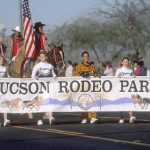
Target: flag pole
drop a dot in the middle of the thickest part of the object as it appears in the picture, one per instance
(21, 18)
(1, 46)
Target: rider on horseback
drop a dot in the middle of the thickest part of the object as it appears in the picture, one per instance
(40, 39)
(15, 41)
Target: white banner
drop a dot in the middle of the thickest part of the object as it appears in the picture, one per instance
(75, 94)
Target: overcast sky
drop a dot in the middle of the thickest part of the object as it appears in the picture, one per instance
(50, 12)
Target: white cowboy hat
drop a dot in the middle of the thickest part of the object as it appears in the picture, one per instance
(17, 28)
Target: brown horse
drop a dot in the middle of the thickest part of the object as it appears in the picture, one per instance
(15, 67)
(55, 56)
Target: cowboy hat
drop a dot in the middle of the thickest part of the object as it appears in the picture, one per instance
(17, 28)
(39, 24)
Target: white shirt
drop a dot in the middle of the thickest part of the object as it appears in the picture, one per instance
(124, 72)
(44, 69)
(69, 71)
(3, 72)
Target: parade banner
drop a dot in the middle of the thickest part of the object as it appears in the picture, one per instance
(74, 94)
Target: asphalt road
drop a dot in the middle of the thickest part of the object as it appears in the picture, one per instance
(68, 134)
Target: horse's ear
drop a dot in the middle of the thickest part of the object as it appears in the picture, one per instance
(61, 45)
(54, 45)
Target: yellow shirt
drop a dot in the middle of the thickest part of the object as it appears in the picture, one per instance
(82, 67)
(89, 68)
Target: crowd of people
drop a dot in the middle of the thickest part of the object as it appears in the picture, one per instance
(106, 68)
(44, 69)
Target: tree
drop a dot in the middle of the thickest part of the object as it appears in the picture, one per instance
(132, 20)
(123, 29)
(82, 33)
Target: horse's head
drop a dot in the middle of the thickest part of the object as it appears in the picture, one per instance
(56, 56)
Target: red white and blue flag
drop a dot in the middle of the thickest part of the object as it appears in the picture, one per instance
(28, 31)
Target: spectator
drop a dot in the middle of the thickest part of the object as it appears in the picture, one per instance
(109, 70)
(135, 65)
(69, 69)
(137, 70)
(102, 68)
(143, 69)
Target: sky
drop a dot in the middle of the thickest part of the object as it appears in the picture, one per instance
(50, 12)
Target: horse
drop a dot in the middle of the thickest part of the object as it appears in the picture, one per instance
(56, 57)
(16, 67)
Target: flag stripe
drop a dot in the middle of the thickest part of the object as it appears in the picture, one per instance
(28, 31)
(28, 38)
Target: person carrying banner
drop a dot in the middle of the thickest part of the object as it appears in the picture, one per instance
(4, 74)
(14, 42)
(42, 70)
(86, 68)
(125, 70)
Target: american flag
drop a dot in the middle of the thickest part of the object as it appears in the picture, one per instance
(28, 31)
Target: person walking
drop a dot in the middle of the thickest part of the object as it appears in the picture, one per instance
(86, 67)
(42, 70)
(125, 70)
(4, 74)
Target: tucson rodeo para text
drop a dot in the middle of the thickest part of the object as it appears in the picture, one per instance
(24, 88)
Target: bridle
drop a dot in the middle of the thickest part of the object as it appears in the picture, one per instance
(62, 60)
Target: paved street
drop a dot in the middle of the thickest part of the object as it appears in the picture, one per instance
(68, 133)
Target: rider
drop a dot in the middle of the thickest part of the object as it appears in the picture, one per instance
(15, 41)
(40, 39)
